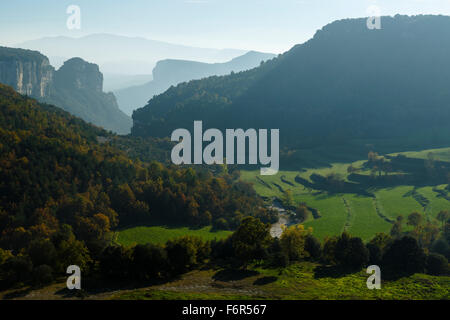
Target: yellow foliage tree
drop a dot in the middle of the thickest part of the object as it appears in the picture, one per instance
(293, 242)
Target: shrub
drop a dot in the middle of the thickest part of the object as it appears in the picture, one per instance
(42, 275)
(437, 264)
(149, 261)
(403, 257)
(17, 269)
(313, 247)
(374, 254)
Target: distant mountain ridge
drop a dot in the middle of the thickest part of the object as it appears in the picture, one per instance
(76, 87)
(347, 82)
(126, 55)
(170, 72)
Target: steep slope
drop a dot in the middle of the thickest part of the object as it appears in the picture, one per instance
(56, 169)
(347, 82)
(28, 71)
(171, 72)
(76, 87)
(79, 90)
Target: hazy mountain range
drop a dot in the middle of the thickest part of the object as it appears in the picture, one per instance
(171, 72)
(123, 55)
(113, 82)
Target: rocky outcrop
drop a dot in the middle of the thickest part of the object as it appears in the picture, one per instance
(78, 74)
(29, 72)
(76, 87)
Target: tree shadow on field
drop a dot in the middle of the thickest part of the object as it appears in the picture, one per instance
(265, 280)
(234, 274)
(17, 294)
(331, 272)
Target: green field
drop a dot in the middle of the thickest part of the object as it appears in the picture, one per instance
(395, 202)
(362, 216)
(160, 234)
(437, 203)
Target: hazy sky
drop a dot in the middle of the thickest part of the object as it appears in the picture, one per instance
(265, 25)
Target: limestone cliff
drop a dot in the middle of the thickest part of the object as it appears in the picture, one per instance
(76, 87)
(29, 72)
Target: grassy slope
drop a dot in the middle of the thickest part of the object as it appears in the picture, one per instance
(437, 203)
(298, 281)
(395, 202)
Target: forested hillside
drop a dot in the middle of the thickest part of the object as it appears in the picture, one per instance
(170, 72)
(347, 82)
(62, 181)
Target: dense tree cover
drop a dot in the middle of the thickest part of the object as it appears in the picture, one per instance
(376, 86)
(170, 72)
(251, 243)
(430, 236)
(200, 97)
(64, 187)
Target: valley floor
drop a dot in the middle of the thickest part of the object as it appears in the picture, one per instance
(361, 215)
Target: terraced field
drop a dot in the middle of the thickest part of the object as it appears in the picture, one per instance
(361, 215)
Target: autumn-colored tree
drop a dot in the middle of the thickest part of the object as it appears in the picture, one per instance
(73, 252)
(293, 241)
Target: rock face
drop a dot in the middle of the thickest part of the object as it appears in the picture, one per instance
(29, 72)
(79, 74)
(76, 87)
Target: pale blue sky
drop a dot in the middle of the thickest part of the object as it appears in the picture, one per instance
(265, 25)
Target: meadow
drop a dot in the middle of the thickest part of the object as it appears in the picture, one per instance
(361, 215)
(161, 234)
